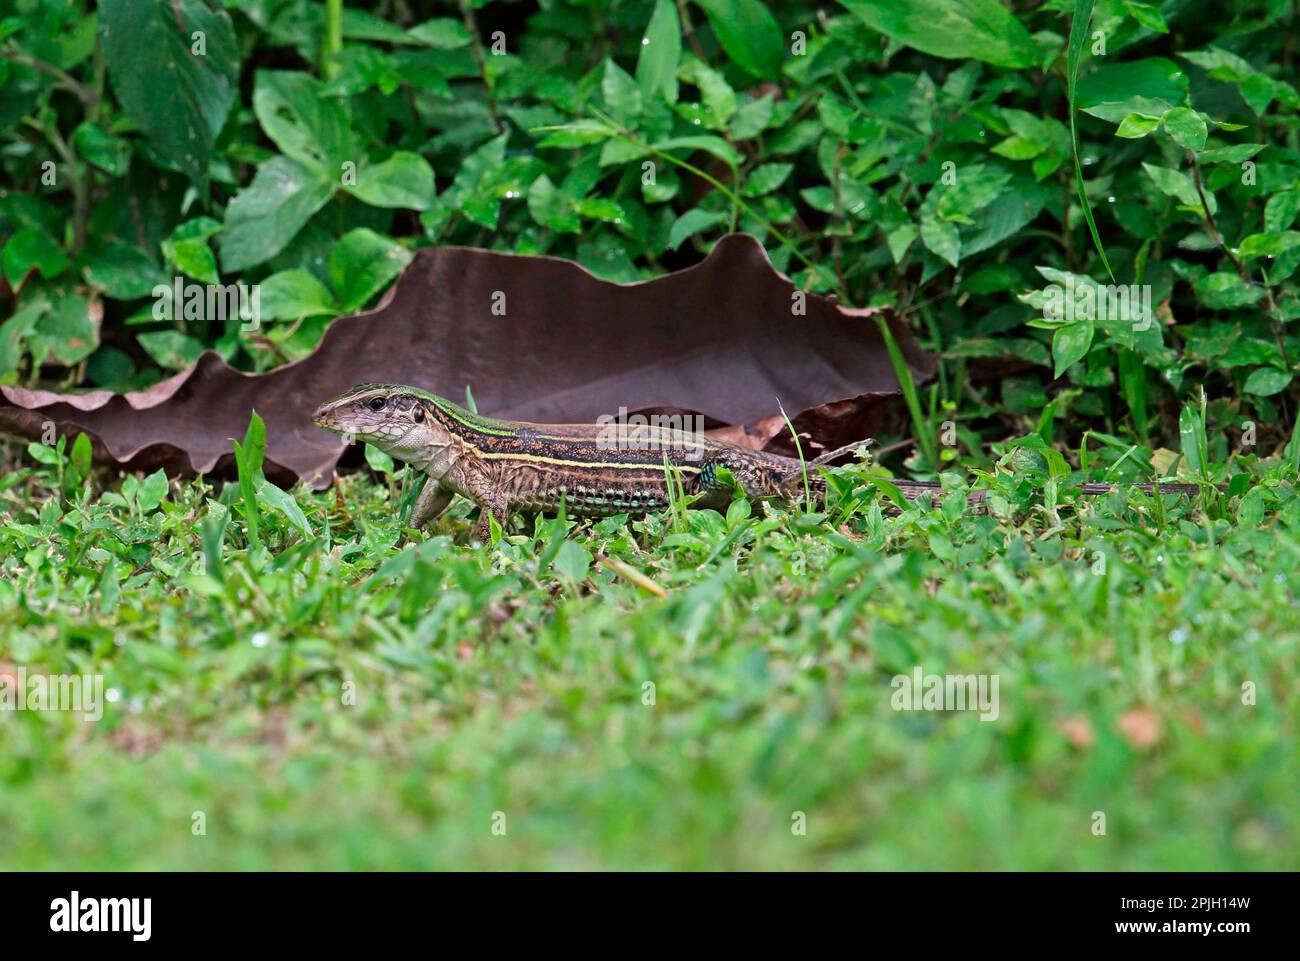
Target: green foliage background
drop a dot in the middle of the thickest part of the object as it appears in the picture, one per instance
(309, 147)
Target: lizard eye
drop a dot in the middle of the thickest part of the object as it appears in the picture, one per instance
(417, 415)
(376, 404)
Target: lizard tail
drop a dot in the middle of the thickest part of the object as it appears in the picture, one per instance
(823, 458)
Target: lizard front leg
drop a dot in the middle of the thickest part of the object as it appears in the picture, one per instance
(433, 500)
(483, 490)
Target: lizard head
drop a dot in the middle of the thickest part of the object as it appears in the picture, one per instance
(398, 420)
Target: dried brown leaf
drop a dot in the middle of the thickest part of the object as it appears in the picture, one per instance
(718, 339)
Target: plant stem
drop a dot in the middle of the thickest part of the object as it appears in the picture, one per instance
(333, 44)
(480, 58)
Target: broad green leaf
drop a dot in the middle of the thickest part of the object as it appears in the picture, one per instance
(1235, 155)
(1175, 183)
(716, 95)
(268, 213)
(171, 349)
(1268, 244)
(122, 270)
(1153, 78)
(379, 461)
(1281, 209)
(178, 96)
(766, 178)
(1070, 344)
(942, 238)
(691, 223)
(307, 126)
(661, 51)
(403, 180)
(1135, 126)
(442, 33)
(30, 249)
(1267, 381)
(714, 145)
(362, 264)
(622, 95)
(152, 492)
(1148, 15)
(957, 29)
(576, 134)
(67, 333)
(1225, 289)
(292, 294)
(749, 34)
(110, 154)
(1186, 127)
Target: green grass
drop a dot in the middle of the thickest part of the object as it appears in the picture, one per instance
(513, 679)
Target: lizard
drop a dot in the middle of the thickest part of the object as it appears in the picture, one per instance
(594, 470)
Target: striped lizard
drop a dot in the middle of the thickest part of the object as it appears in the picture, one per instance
(595, 470)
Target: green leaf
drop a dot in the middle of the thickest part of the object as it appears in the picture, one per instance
(1235, 155)
(30, 249)
(1070, 344)
(900, 239)
(170, 349)
(379, 461)
(403, 180)
(1152, 79)
(1225, 290)
(442, 33)
(268, 213)
(621, 93)
(572, 561)
(292, 294)
(152, 491)
(122, 270)
(176, 94)
(1281, 209)
(362, 264)
(661, 51)
(713, 145)
(749, 33)
(248, 461)
(66, 332)
(1147, 15)
(306, 125)
(753, 117)
(1175, 183)
(1268, 244)
(957, 29)
(691, 223)
(1135, 126)
(942, 238)
(766, 178)
(1019, 148)
(1267, 381)
(576, 134)
(1186, 127)
(110, 154)
(282, 501)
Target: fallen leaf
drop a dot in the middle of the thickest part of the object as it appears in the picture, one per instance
(534, 338)
(1140, 726)
(1078, 731)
